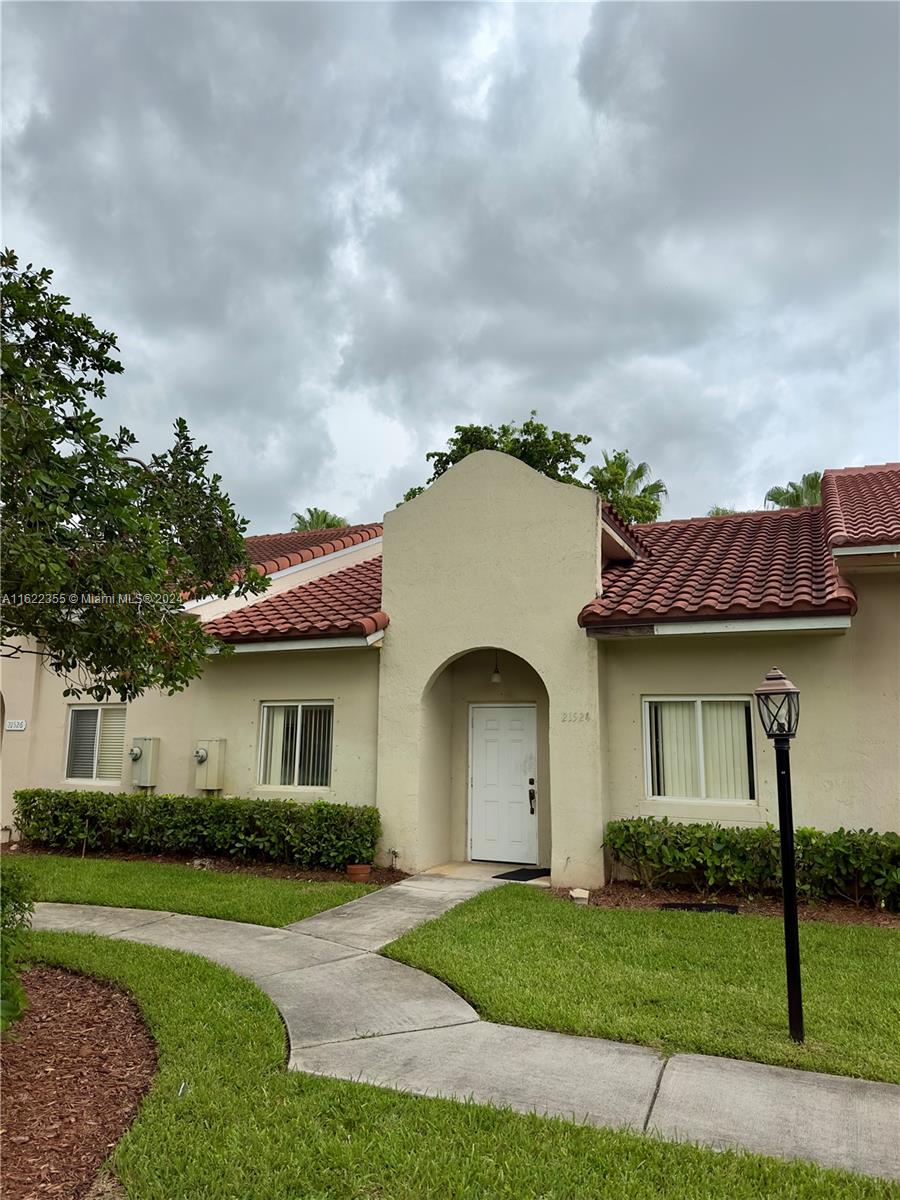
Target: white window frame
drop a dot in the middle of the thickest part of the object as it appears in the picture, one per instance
(67, 778)
(294, 787)
(697, 701)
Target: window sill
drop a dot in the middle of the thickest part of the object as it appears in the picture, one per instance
(725, 812)
(93, 783)
(264, 790)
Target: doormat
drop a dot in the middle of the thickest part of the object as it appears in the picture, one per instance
(522, 874)
(726, 908)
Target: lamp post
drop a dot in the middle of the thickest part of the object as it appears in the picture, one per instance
(778, 701)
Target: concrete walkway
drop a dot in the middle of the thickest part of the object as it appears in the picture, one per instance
(352, 1014)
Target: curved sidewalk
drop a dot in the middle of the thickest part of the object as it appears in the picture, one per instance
(352, 1014)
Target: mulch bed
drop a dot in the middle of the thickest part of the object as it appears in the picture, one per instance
(380, 875)
(623, 894)
(75, 1068)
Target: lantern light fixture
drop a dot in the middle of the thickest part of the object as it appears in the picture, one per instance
(778, 701)
(496, 677)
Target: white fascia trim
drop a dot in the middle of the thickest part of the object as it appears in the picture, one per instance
(760, 625)
(617, 538)
(304, 566)
(342, 643)
(893, 548)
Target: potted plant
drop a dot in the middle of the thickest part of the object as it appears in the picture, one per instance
(359, 872)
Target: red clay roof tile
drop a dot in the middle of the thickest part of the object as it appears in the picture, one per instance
(743, 565)
(344, 604)
(862, 505)
(271, 552)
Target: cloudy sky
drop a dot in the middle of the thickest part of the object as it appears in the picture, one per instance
(327, 233)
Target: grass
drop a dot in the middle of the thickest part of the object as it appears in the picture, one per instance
(703, 983)
(231, 896)
(246, 1128)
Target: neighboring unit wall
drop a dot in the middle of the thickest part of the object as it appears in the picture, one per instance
(224, 703)
(491, 555)
(846, 756)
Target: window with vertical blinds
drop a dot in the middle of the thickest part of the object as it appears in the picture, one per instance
(96, 742)
(700, 748)
(296, 744)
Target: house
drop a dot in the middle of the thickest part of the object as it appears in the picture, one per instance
(505, 665)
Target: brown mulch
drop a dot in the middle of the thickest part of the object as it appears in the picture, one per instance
(75, 1068)
(622, 894)
(379, 875)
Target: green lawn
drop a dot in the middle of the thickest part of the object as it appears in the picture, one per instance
(246, 1128)
(231, 896)
(703, 983)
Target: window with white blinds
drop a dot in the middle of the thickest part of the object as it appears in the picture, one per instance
(96, 742)
(296, 742)
(700, 748)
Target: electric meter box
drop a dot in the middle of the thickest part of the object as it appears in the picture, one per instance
(210, 759)
(144, 755)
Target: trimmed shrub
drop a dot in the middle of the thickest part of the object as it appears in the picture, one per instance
(856, 864)
(319, 834)
(15, 915)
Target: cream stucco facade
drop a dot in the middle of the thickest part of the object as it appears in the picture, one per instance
(489, 569)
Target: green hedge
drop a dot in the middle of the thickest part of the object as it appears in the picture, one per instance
(15, 915)
(856, 864)
(319, 834)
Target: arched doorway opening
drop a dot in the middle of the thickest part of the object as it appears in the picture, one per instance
(484, 769)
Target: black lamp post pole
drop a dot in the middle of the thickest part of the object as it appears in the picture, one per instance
(789, 887)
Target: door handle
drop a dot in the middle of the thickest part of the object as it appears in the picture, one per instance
(531, 798)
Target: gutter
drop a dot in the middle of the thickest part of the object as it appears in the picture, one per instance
(843, 551)
(334, 643)
(811, 624)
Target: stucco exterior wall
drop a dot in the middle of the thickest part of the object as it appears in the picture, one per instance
(223, 703)
(846, 757)
(491, 555)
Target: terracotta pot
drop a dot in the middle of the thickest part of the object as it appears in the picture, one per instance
(358, 872)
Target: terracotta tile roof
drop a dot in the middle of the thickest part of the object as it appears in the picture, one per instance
(744, 565)
(343, 604)
(862, 505)
(270, 552)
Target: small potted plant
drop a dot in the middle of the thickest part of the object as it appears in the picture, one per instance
(359, 872)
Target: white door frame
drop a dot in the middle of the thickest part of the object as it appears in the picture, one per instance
(471, 778)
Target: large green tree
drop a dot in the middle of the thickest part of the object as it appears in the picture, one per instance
(551, 452)
(628, 486)
(99, 546)
(316, 518)
(797, 495)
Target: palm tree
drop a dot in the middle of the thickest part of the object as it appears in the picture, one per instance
(797, 495)
(721, 510)
(628, 486)
(316, 518)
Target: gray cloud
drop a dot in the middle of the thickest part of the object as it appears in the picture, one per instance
(326, 233)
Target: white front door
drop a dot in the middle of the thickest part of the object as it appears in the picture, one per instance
(503, 782)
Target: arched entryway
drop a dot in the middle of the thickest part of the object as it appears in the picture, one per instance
(484, 775)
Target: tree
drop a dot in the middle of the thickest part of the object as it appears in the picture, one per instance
(628, 487)
(721, 510)
(100, 548)
(316, 518)
(797, 495)
(553, 453)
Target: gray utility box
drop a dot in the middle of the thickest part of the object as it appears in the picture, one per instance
(144, 755)
(210, 759)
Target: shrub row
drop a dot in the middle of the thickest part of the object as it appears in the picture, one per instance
(319, 834)
(857, 864)
(15, 915)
